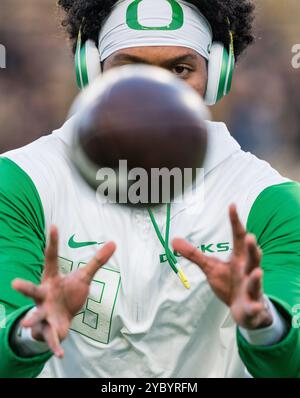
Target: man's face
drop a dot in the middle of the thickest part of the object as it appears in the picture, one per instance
(185, 63)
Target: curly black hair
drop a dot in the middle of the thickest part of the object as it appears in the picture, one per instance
(89, 15)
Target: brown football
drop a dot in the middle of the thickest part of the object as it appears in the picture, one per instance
(149, 120)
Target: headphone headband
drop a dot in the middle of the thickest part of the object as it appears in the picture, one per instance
(220, 67)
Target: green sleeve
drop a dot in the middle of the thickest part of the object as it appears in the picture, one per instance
(22, 243)
(275, 220)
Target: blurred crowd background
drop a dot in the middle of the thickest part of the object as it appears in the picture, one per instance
(262, 112)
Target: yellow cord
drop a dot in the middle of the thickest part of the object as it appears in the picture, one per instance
(183, 279)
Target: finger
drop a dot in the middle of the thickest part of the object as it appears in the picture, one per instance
(254, 254)
(193, 254)
(51, 254)
(29, 289)
(101, 258)
(238, 232)
(254, 284)
(36, 317)
(252, 309)
(51, 337)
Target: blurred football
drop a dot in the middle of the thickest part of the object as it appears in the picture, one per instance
(137, 125)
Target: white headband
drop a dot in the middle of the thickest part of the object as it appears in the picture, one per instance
(140, 23)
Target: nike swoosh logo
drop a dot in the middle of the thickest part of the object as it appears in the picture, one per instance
(76, 245)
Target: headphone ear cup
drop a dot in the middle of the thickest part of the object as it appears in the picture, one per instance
(220, 72)
(87, 63)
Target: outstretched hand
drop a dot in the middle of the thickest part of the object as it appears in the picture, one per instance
(59, 298)
(237, 282)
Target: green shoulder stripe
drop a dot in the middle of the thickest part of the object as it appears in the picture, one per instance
(22, 244)
(275, 220)
(22, 232)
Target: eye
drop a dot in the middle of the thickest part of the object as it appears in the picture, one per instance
(182, 71)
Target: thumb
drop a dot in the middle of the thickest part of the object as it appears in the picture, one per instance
(193, 254)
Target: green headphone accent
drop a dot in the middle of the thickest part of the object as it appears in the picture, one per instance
(87, 62)
(220, 67)
(220, 71)
(80, 64)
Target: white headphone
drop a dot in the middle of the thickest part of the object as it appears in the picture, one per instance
(220, 68)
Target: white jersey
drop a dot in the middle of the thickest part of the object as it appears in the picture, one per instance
(139, 320)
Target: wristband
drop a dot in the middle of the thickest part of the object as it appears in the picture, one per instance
(24, 344)
(271, 334)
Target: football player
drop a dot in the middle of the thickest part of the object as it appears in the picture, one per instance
(124, 313)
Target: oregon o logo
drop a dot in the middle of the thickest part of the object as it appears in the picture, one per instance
(176, 22)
